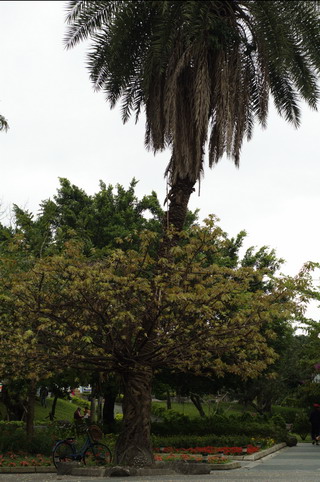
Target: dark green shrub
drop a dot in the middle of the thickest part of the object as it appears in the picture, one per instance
(291, 441)
(218, 425)
(187, 441)
(278, 421)
(288, 413)
(301, 425)
(13, 440)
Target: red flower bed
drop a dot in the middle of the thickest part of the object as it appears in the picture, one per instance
(11, 459)
(250, 449)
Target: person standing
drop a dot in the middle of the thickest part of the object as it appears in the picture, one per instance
(315, 423)
(43, 396)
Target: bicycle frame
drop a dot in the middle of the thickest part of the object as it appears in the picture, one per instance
(77, 454)
(91, 451)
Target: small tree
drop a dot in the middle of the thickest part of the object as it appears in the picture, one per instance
(132, 313)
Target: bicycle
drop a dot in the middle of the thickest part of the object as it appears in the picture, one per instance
(91, 452)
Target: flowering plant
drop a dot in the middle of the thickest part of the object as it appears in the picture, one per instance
(209, 450)
(12, 459)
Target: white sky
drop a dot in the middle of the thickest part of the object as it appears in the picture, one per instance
(59, 127)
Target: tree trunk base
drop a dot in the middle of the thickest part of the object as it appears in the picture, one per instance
(133, 447)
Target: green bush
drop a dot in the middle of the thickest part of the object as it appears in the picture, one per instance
(218, 425)
(278, 421)
(291, 441)
(301, 425)
(13, 440)
(288, 413)
(81, 402)
(187, 441)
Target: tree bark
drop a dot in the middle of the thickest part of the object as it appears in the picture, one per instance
(15, 409)
(168, 401)
(197, 403)
(178, 197)
(53, 408)
(108, 410)
(30, 411)
(93, 410)
(133, 446)
(100, 409)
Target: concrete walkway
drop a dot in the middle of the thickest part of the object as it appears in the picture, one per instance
(300, 463)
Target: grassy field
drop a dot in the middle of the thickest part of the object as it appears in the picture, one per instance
(190, 410)
(64, 410)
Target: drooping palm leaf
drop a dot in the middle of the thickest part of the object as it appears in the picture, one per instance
(202, 70)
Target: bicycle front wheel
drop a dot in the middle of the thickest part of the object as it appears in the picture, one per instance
(97, 454)
(63, 452)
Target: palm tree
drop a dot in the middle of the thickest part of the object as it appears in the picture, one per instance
(202, 70)
(4, 126)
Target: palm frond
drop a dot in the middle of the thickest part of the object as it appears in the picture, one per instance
(201, 69)
(4, 126)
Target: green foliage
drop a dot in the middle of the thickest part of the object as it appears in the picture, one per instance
(278, 421)
(239, 55)
(80, 402)
(169, 416)
(308, 394)
(15, 440)
(183, 441)
(291, 441)
(301, 425)
(289, 414)
(10, 425)
(98, 221)
(219, 425)
(201, 305)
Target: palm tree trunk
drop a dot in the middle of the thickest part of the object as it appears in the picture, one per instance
(179, 196)
(134, 443)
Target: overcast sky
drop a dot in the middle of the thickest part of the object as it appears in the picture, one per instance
(59, 127)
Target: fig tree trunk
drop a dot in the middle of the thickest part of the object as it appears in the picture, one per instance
(133, 446)
(52, 412)
(30, 411)
(108, 409)
(196, 400)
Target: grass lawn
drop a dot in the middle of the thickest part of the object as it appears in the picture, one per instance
(188, 408)
(64, 410)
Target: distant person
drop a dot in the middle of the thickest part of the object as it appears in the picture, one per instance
(86, 413)
(315, 423)
(77, 415)
(43, 396)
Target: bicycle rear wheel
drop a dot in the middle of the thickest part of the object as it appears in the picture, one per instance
(63, 452)
(97, 454)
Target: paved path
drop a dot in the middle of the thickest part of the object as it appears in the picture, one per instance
(300, 463)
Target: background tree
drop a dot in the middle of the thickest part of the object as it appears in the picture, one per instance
(100, 314)
(98, 221)
(202, 71)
